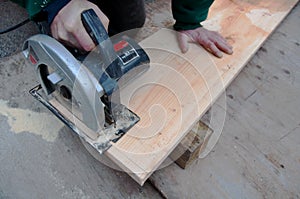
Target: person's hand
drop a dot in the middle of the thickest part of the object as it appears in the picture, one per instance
(212, 41)
(68, 28)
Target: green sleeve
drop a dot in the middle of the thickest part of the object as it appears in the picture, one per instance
(33, 7)
(189, 13)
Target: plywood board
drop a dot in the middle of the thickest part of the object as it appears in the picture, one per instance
(177, 90)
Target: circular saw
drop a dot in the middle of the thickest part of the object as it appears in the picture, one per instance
(83, 90)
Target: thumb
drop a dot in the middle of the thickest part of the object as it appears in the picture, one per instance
(183, 41)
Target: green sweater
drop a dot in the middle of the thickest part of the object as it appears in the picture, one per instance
(33, 7)
(187, 13)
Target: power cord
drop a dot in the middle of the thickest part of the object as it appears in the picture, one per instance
(14, 27)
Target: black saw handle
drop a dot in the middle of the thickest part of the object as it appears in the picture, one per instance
(94, 26)
(98, 34)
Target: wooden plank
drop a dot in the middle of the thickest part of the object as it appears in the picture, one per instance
(171, 97)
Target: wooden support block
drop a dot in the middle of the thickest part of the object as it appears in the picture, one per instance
(189, 149)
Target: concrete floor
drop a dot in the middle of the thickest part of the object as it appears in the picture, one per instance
(259, 145)
(11, 43)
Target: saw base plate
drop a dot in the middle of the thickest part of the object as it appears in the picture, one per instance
(101, 141)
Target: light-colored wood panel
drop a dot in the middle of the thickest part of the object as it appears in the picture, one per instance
(171, 97)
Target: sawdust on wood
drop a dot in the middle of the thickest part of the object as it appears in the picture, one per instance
(256, 15)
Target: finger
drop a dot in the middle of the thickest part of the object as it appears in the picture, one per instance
(66, 37)
(220, 37)
(71, 41)
(225, 42)
(53, 29)
(223, 46)
(216, 37)
(83, 39)
(213, 49)
(183, 41)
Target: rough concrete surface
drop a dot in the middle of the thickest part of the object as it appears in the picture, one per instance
(12, 14)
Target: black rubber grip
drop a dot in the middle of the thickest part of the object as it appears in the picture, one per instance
(94, 26)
